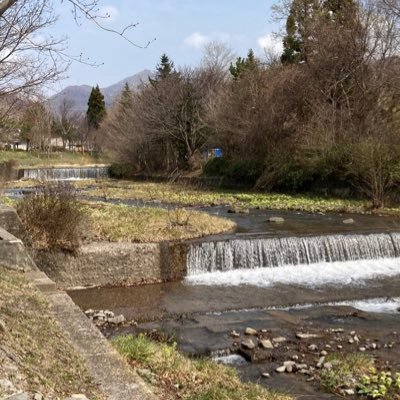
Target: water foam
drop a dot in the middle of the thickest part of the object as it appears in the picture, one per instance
(353, 273)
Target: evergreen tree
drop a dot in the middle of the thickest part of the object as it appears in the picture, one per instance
(244, 64)
(126, 100)
(300, 24)
(165, 67)
(96, 108)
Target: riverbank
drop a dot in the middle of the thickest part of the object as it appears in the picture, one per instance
(53, 159)
(35, 356)
(184, 195)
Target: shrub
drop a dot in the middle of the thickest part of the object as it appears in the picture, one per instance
(54, 218)
(239, 171)
(6, 170)
(122, 170)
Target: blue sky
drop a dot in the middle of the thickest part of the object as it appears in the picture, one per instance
(181, 27)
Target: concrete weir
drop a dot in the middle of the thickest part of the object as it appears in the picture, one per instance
(115, 378)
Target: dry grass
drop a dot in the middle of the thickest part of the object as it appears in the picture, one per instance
(119, 223)
(33, 347)
(188, 196)
(175, 376)
(36, 159)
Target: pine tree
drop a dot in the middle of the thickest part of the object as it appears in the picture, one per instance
(299, 24)
(244, 64)
(96, 108)
(126, 100)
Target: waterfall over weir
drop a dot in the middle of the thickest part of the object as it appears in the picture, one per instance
(67, 173)
(276, 252)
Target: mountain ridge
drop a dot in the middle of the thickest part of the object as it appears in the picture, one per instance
(78, 95)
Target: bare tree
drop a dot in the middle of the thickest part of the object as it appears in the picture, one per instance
(30, 58)
(37, 126)
(217, 56)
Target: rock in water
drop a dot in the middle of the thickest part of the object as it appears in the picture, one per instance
(248, 344)
(250, 332)
(266, 344)
(276, 220)
(349, 221)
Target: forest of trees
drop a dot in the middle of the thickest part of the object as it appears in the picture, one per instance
(323, 116)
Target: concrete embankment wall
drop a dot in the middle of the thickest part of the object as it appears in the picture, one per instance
(112, 264)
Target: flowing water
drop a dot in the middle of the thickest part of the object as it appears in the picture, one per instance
(229, 255)
(70, 173)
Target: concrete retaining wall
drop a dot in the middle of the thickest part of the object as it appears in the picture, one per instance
(112, 264)
(13, 254)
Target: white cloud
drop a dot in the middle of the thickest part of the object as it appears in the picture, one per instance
(270, 43)
(196, 40)
(110, 13)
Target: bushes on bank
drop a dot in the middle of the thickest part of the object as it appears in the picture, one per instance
(54, 218)
(239, 171)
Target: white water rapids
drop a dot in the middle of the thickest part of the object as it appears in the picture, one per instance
(305, 261)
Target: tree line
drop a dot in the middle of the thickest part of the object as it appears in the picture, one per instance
(323, 116)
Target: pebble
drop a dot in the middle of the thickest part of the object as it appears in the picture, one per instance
(324, 353)
(352, 333)
(265, 375)
(19, 396)
(235, 334)
(312, 347)
(351, 341)
(281, 369)
(362, 349)
(250, 332)
(321, 362)
(295, 357)
(120, 319)
(38, 396)
(301, 335)
(310, 379)
(339, 346)
(276, 220)
(248, 344)
(289, 366)
(6, 385)
(266, 344)
(356, 339)
(349, 392)
(349, 221)
(279, 339)
(328, 366)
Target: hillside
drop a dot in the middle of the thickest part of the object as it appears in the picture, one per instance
(79, 95)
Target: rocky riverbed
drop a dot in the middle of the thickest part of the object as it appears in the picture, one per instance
(287, 350)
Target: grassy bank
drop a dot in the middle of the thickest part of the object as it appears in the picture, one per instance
(39, 159)
(357, 372)
(34, 354)
(120, 223)
(187, 196)
(117, 223)
(175, 376)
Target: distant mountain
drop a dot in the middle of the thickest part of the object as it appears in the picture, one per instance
(79, 95)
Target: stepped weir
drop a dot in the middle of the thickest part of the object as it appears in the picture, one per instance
(64, 173)
(229, 255)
